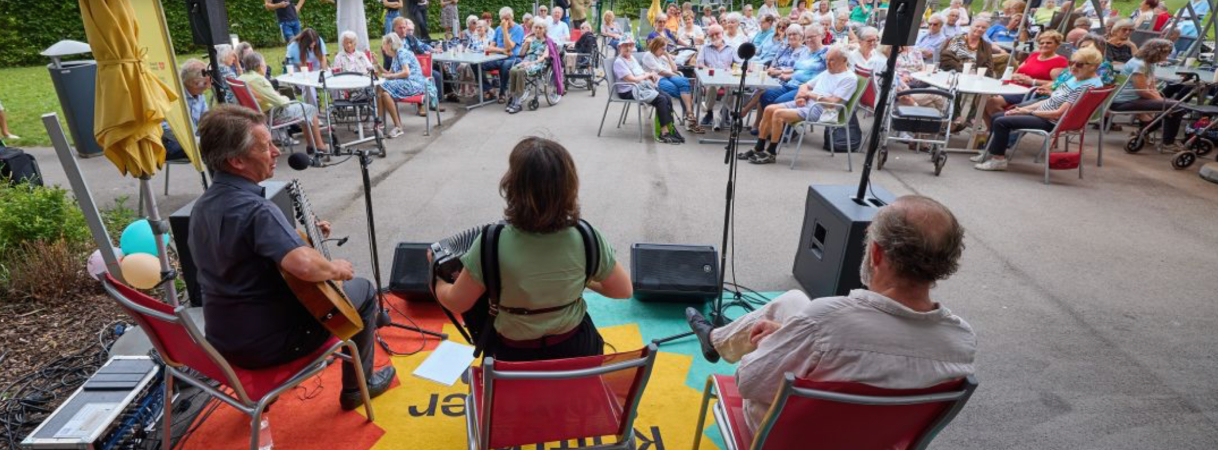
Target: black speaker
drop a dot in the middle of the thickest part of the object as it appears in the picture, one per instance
(408, 277)
(670, 272)
(831, 243)
(208, 21)
(903, 21)
(179, 226)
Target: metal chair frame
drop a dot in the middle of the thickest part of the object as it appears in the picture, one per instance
(612, 83)
(425, 65)
(1057, 131)
(239, 399)
(479, 437)
(843, 121)
(245, 95)
(958, 398)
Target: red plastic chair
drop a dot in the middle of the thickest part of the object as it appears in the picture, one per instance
(835, 415)
(522, 403)
(1073, 123)
(245, 97)
(424, 98)
(183, 348)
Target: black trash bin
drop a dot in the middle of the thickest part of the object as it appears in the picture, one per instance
(75, 84)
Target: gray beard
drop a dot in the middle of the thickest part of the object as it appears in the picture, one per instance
(865, 270)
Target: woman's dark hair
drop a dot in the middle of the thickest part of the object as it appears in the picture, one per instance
(309, 38)
(541, 187)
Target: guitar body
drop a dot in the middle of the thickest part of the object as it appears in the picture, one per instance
(326, 300)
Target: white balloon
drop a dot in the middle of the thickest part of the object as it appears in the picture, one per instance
(97, 266)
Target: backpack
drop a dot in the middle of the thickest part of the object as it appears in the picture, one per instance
(17, 166)
(839, 137)
(480, 318)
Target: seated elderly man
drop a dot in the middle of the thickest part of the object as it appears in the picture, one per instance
(268, 98)
(196, 83)
(718, 55)
(890, 335)
(827, 91)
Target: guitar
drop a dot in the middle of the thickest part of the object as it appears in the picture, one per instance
(324, 300)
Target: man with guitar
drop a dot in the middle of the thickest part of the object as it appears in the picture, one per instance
(241, 243)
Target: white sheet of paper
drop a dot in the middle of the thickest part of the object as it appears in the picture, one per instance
(446, 363)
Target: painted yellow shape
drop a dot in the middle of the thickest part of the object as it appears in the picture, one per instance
(421, 414)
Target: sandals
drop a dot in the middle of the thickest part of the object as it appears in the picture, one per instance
(691, 125)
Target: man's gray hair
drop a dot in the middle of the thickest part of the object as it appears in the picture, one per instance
(815, 28)
(192, 69)
(939, 16)
(734, 16)
(227, 132)
(921, 239)
(252, 61)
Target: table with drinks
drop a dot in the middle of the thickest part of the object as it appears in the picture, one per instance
(977, 84)
(332, 80)
(757, 78)
(463, 55)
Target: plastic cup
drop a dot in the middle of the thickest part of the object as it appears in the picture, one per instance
(711, 72)
(291, 69)
(1189, 62)
(981, 71)
(968, 68)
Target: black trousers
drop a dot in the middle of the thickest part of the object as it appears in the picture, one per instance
(1003, 125)
(662, 103)
(363, 297)
(586, 341)
(1171, 123)
(418, 14)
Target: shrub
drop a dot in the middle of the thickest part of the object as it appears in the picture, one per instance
(35, 213)
(49, 272)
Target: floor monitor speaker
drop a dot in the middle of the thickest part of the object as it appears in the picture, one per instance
(408, 277)
(669, 272)
(831, 242)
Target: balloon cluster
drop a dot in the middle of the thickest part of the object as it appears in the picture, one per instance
(141, 265)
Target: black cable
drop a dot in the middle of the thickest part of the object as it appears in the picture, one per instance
(384, 343)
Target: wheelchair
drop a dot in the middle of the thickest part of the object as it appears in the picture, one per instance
(540, 85)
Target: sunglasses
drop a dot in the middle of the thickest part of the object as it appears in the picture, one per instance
(1079, 64)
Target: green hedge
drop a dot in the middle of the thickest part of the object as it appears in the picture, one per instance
(29, 26)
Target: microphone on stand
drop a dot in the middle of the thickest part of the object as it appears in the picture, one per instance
(299, 161)
(746, 52)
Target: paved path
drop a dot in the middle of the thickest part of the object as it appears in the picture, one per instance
(1093, 299)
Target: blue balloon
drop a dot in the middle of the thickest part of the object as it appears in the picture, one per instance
(137, 238)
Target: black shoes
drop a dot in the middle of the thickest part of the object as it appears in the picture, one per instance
(378, 383)
(702, 329)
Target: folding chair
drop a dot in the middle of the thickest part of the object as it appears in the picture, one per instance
(613, 97)
(513, 404)
(245, 97)
(835, 415)
(1073, 123)
(424, 98)
(843, 121)
(187, 353)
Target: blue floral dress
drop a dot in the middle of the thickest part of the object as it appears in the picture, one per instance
(534, 54)
(412, 85)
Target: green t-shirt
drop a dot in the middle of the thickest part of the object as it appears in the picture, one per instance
(540, 271)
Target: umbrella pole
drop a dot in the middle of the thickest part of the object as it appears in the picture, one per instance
(160, 229)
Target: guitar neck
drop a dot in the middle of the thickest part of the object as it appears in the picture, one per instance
(304, 213)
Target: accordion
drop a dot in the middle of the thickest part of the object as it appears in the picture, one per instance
(445, 265)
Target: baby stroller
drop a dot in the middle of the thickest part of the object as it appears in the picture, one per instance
(919, 125)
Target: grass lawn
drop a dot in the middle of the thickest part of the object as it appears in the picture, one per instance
(27, 92)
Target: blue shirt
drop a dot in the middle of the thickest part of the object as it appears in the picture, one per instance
(197, 105)
(787, 57)
(932, 42)
(808, 68)
(999, 33)
(768, 49)
(763, 37)
(717, 58)
(293, 54)
(517, 35)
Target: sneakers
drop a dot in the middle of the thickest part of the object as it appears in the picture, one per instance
(395, 132)
(702, 329)
(707, 119)
(980, 157)
(763, 158)
(992, 165)
(378, 383)
(745, 156)
(12, 136)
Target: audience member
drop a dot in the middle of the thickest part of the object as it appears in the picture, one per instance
(1145, 14)
(807, 68)
(558, 31)
(841, 31)
(961, 11)
(968, 48)
(393, 10)
(822, 11)
(506, 41)
(268, 99)
(350, 59)
(951, 25)
(867, 56)
(733, 34)
(815, 100)
(890, 335)
(195, 81)
(1141, 93)
(801, 6)
(672, 18)
(532, 62)
(610, 30)
(931, 39)
(1037, 70)
(718, 55)
(672, 82)
(1120, 48)
(861, 13)
(635, 83)
(307, 51)
(1044, 14)
(749, 23)
(768, 9)
(764, 41)
(227, 69)
(690, 34)
(4, 131)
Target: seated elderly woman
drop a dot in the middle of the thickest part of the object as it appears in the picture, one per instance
(471, 29)
(770, 44)
(968, 47)
(610, 30)
(829, 90)
(672, 82)
(733, 31)
(631, 78)
(867, 56)
(227, 55)
(841, 31)
(1042, 115)
(403, 80)
(1039, 69)
(1120, 48)
(1141, 92)
(533, 56)
(269, 99)
(690, 34)
(349, 59)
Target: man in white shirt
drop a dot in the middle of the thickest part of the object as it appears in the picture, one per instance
(891, 335)
(827, 91)
(558, 31)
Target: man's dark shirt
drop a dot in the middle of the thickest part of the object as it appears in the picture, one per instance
(286, 14)
(237, 239)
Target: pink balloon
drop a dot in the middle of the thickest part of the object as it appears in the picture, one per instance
(97, 266)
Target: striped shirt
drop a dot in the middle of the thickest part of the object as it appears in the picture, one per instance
(1068, 92)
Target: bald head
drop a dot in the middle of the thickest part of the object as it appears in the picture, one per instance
(921, 240)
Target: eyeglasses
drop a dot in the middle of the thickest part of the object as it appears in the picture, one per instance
(871, 39)
(936, 24)
(1079, 64)
(1047, 43)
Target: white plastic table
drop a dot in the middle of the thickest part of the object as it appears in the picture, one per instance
(727, 78)
(334, 82)
(980, 87)
(471, 58)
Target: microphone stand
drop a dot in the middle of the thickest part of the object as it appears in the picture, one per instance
(733, 142)
(880, 108)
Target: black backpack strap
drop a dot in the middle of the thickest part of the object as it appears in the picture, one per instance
(592, 249)
(492, 281)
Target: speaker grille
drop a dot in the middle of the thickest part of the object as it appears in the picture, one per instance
(674, 272)
(409, 274)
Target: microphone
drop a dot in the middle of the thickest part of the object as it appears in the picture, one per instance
(299, 161)
(746, 51)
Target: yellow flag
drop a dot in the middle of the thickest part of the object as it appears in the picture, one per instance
(154, 38)
(653, 11)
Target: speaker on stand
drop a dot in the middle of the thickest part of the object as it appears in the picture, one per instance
(209, 27)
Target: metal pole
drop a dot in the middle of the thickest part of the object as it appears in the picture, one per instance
(160, 229)
(84, 196)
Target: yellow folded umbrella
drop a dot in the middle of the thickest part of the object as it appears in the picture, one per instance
(130, 102)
